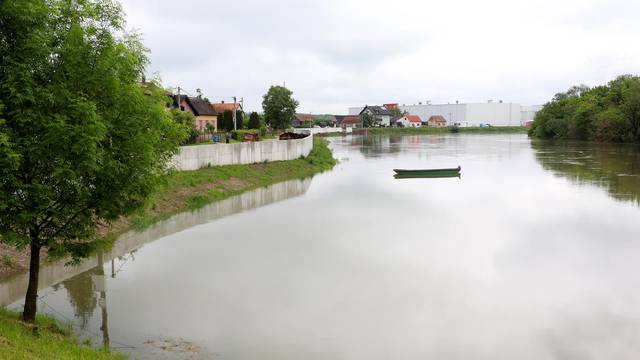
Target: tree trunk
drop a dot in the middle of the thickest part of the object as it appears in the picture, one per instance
(30, 300)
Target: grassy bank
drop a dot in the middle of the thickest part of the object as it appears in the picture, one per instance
(447, 130)
(189, 190)
(49, 341)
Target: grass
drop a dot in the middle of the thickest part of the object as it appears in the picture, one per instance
(46, 341)
(189, 190)
(447, 130)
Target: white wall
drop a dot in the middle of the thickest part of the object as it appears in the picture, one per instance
(452, 112)
(325, 130)
(199, 156)
(495, 114)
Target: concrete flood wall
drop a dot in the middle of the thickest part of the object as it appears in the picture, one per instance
(199, 156)
(14, 288)
(314, 131)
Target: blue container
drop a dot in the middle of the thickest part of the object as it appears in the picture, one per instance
(216, 138)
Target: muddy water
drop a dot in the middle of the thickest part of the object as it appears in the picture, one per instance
(532, 254)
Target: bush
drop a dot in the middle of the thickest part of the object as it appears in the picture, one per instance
(254, 121)
(263, 131)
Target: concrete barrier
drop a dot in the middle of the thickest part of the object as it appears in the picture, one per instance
(315, 131)
(199, 156)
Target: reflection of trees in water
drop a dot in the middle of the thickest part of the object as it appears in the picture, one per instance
(81, 295)
(615, 167)
(376, 145)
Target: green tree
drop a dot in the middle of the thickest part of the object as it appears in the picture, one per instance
(254, 121)
(80, 142)
(603, 113)
(187, 121)
(367, 120)
(227, 120)
(279, 107)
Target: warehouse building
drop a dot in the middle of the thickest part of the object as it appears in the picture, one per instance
(472, 114)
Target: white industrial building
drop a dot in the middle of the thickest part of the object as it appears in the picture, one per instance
(472, 114)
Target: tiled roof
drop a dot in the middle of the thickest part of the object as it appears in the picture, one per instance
(200, 106)
(437, 118)
(304, 117)
(377, 110)
(414, 118)
(221, 107)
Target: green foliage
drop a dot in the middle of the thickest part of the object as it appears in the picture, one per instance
(396, 113)
(187, 121)
(239, 134)
(263, 131)
(254, 121)
(367, 120)
(49, 341)
(80, 142)
(279, 107)
(604, 113)
(225, 120)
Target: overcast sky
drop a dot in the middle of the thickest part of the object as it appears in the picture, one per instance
(338, 53)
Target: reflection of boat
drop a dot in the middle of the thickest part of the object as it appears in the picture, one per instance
(428, 173)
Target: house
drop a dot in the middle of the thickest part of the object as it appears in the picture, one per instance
(301, 119)
(380, 115)
(409, 121)
(201, 109)
(349, 121)
(437, 121)
(222, 106)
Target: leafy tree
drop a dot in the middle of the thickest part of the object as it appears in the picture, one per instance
(239, 119)
(80, 142)
(279, 107)
(396, 113)
(227, 120)
(187, 121)
(367, 120)
(254, 121)
(603, 113)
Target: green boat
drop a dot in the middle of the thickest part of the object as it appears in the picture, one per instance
(430, 173)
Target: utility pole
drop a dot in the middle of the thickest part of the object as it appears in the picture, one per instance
(178, 99)
(235, 126)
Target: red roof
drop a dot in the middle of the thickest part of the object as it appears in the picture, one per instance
(414, 118)
(390, 106)
(221, 107)
(351, 119)
(304, 117)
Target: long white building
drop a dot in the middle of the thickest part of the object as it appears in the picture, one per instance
(472, 114)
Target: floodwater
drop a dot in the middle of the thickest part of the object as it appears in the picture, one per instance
(534, 253)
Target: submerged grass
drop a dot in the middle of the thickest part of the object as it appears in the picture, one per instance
(46, 340)
(189, 190)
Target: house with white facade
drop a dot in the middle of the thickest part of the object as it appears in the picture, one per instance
(491, 113)
(380, 115)
(409, 121)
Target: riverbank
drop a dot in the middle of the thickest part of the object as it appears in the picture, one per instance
(19, 340)
(189, 190)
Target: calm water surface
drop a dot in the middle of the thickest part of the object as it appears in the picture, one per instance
(534, 253)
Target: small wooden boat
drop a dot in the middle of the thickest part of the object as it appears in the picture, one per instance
(451, 172)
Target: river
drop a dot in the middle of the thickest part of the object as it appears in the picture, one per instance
(533, 253)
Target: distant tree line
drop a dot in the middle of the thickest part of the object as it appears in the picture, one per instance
(607, 113)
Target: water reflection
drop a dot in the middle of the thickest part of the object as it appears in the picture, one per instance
(614, 167)
(13, 289)
(511, 262)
